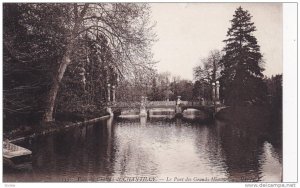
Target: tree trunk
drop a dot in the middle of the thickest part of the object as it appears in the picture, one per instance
(48, 115)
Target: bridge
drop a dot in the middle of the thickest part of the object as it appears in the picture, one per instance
(179, 106)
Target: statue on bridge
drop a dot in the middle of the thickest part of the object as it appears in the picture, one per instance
(202, 100)
(109, 111)
(178, 110)
(143, 111)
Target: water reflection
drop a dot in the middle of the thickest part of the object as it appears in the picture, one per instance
(270, 164)
(243, 144)
(109, 125)
(152, 146)
(143, 120)
(192, 114)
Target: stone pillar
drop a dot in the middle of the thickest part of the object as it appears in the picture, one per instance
(113, 89)
(217, 91)
(213, 92)
(108, 92)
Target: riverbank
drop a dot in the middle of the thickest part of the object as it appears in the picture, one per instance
(245, 113)
(44, 129)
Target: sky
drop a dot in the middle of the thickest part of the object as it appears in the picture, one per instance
(186, 32)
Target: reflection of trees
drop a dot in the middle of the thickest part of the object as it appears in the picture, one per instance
(241, 153)
(216, 152)
(209, 148)
(100, 148)
(243, 135)
(143, 121)
(86, 151)
(242, 140)
(43, 156)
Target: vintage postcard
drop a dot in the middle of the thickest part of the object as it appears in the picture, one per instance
(143, 92)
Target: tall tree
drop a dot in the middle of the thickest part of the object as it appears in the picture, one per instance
(154, 94)
(31, 48)
(210, 68)
(123, 24)
(242, 77)
(84, 85)
(56, 34)
(208, 72)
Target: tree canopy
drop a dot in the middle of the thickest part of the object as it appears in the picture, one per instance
(67, 48)
(206, 73)
(241, 77)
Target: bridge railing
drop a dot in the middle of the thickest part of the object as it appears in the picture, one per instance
(148, 104)
(127, 104)
(160, 104)
(197, 103)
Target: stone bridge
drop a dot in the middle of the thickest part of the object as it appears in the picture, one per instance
(179, 106)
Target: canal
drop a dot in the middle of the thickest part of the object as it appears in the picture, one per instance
(157, 149)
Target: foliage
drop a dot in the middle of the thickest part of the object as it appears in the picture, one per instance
(184, 88)
(210, 69)
(274, 85)
(154, 95)
(242, 62)
(85, 82)
(206, 74)
(61, 56)
(167, 87)
(133, 89)
(31, 48)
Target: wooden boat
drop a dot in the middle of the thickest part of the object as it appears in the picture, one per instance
(11, 150)
(14, 155)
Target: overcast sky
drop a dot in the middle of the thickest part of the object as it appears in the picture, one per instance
(188, 31)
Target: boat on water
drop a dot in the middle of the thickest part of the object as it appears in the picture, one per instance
(15, 156)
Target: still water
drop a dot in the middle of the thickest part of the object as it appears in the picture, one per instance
(155, 149)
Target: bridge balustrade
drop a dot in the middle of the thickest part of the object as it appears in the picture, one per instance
(153, 104)
(208, 106)
(127, 104)
(161, 103)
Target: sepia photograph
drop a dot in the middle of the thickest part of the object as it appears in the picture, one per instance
(115, 92)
